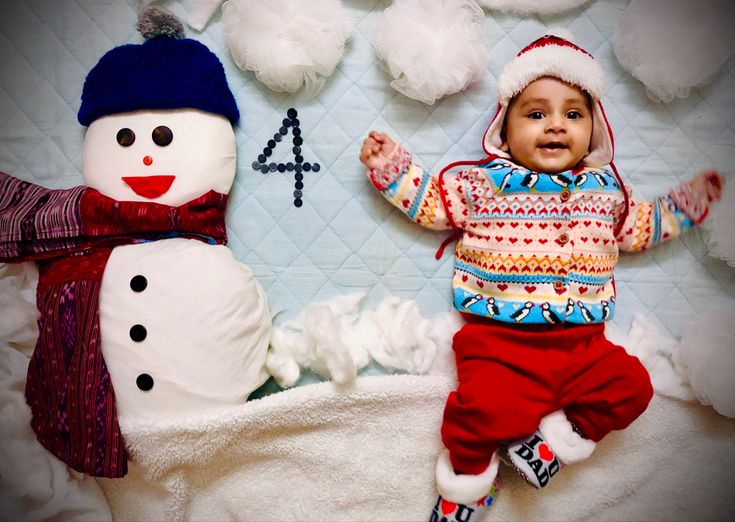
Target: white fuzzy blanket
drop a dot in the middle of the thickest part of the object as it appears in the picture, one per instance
(368, 452)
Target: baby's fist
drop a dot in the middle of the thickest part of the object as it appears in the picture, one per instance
(708, 184)
(376, 149)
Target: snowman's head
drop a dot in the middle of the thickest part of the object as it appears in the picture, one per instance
(164, 156)
(160, 117)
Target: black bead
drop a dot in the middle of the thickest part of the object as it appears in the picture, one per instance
(291, 113)
(289, 166)
(256, 165)
(295, 122)
(299, 158)
(138, 333)
(299, 185)
(283, 131)
(307, 167)
(298, 140)
(277, 137)
(267, 152)
(144, 382)
(264, 169)
(298, 167)
(296, 132)
(138, 283)
(297, 202)
(315, 167)
(286, 122)
(272, 144)
(296, 150)
(298, 176)
(281, 167)
(272, 167)
(297, 194)
(262, 158)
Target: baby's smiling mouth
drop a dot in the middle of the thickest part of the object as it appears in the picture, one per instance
(553, 145)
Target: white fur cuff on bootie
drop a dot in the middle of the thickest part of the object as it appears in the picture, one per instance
(567, 444)
(464, 489)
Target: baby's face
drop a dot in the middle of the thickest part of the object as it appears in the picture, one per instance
(549, 126)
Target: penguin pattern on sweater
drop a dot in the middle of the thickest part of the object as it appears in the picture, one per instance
(534, 247)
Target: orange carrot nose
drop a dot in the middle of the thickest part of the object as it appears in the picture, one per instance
(147, 160)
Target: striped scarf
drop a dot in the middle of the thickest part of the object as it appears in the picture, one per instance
(71, 234)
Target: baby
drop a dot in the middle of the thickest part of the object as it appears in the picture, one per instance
(541, 221)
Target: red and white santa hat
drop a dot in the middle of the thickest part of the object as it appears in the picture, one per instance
(554, 55)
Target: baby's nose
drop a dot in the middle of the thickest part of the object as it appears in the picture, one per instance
(147, 160)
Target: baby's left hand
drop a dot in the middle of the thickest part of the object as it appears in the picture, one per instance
(709, 184)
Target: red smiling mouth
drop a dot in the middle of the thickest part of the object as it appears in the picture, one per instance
(149, 187)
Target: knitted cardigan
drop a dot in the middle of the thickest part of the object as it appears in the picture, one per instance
(535, 247)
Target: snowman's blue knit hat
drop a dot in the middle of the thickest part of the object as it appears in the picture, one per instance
(167, 71)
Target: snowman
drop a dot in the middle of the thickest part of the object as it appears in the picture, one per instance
(164, 321)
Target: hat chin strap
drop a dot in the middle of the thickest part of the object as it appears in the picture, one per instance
(601, 142)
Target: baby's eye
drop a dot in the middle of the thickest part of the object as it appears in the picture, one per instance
(536, 115)
(574, 115)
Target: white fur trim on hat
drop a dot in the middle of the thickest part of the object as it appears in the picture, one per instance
(464, 489)
(564, 62)
(567, 444)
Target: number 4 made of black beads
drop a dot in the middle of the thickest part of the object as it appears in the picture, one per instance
(297, 166)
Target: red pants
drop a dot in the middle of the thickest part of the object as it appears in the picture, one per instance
(510, 377)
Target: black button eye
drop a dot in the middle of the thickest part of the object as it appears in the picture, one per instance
(125, 137)
(162, 135)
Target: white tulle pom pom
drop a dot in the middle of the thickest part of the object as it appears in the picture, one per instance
(432, 47)
(707, 354)
(287, 43)
(527, 7)
(718, 231)
(674, 45)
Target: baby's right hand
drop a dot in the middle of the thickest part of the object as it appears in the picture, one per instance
(376, 149)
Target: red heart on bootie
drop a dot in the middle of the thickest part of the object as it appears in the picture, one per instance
(448, 507)
(545, 453)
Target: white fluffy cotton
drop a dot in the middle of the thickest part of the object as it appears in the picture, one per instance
(287, 43)
(718, 230)
(432, 48)
(530, 7)
(657, 351)
(707, 354)
(674, 45)
(34, 485)
(337, 338)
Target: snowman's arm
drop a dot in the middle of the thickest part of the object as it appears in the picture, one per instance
(36, 222)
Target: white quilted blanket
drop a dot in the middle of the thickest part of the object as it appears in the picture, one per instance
(675, 462)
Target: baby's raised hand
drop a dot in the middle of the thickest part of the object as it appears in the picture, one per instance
(708, 184)
(376, 149)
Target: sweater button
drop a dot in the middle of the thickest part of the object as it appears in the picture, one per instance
(558, 285)
(564, 238)
(565, 194)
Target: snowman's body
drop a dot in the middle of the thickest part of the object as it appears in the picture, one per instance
(184, 326)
